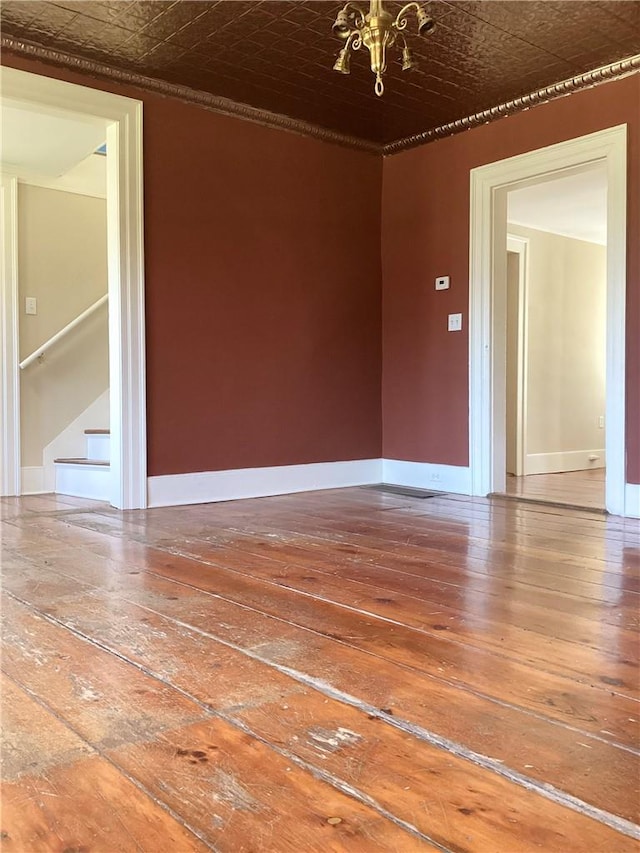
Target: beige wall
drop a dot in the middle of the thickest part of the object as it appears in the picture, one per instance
(565, 361)
(62, 259)
(513, 284)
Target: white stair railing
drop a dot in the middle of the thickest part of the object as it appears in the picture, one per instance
(58, 335)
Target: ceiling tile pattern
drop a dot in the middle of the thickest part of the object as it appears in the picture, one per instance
(278, 56)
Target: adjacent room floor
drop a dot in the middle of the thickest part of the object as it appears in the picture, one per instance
(336, 671)
(573, 488)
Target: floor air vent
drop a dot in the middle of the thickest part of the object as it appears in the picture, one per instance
(405, 491)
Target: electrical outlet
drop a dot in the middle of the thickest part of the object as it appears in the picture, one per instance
(30, 305)
(435, 477)
(601, 422)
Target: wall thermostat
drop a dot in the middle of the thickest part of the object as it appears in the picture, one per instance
(442, 283)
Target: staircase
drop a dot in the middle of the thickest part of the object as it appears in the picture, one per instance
(88, 476)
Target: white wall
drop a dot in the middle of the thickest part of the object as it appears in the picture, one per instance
(566, 357)
(62, 257)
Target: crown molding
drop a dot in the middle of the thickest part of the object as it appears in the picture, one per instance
(589, 79)
(216, 103)
(225, 106)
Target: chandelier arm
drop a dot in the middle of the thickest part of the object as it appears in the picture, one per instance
(401, 22)
(354, 40)
(359, 14)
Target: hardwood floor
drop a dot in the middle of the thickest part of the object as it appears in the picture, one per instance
(573, 488)
(336, 671)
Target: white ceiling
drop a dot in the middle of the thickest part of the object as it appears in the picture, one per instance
(52, 150)
(574, 206)
(88, 177)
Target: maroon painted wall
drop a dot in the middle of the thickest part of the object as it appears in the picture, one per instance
(263, 316)
(263, 291)
(425, 228)
(263, 307)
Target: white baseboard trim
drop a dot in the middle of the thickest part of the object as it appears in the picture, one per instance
(213, 486)
(570, 460)
(427, 475)
(33, 480)
(632, 500)
(235, 484)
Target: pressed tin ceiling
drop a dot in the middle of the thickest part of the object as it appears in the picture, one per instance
(277, 56)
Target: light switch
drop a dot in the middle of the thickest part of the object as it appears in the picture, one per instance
(442, 283)
(31, 305)
(455, 323)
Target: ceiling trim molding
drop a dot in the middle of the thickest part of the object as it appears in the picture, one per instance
(604, 74)
(225, 106)
(217, 103)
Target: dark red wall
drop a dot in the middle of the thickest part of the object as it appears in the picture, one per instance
(263, 284)
(425, 228)
(263, 291)
(263, 317)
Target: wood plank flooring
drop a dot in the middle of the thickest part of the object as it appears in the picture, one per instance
(333, 671)
(573, 488)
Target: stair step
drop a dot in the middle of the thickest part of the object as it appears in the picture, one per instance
(87, 476)
(83, 477)
(82, 461)
(98, 444)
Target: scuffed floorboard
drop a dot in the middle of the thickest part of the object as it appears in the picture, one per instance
(336, 671)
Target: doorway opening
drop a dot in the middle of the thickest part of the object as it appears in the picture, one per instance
(490, 188)
(62, 336)
(556, 277)
(118, 120)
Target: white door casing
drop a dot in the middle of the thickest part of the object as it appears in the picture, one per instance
(487, 277)
(122, 118)
(9, 380)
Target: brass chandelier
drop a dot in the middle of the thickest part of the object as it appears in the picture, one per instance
(377, 30)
